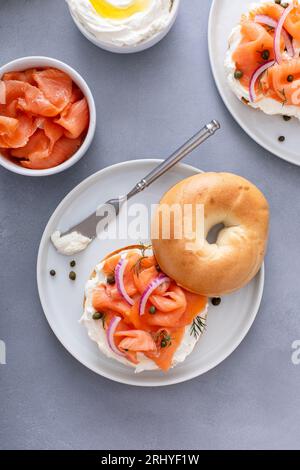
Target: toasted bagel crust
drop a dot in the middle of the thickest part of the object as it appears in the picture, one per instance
(236, 256)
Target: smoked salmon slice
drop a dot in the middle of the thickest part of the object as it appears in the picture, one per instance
(41, 144)
(63, 149)
(8, 125)
(34, 101)
(26, 126)
(37, 146)
(247, 56)
(75, 118)
(275, 11)
(275, 84)
(26, 76)
(165, 357)
(102, 301)
(136, 340)
(56, 87)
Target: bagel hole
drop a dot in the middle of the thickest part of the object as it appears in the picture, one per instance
(213, 234)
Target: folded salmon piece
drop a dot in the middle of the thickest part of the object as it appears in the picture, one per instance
(41, 159)
(41, 143)
(55, 85)
(136, 340)
(23, 130)
(8, 125)
(275, 84)
(247, 56)
(75, 118)
(26, 76)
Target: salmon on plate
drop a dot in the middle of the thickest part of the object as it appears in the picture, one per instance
(262, 62)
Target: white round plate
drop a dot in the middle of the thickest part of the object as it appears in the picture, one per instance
(62, 299)
(265, 130)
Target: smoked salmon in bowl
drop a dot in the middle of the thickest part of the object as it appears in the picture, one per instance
(47, 116)
(138, 316)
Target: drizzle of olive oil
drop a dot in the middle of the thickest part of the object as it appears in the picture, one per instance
(107, 10)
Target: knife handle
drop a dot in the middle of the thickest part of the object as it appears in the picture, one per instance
(176, 157)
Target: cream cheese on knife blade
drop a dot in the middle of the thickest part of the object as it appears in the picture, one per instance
(71, 243)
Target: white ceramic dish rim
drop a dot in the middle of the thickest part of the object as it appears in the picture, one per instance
(45, 239)
(130, 49)
(42, 61)
(234, 114)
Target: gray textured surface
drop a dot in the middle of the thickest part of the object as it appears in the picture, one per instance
(147, 105)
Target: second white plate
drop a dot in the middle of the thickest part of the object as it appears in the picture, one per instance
(265, 130)
(62, 299)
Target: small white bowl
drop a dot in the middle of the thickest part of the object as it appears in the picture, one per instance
(130, 49)
(36, 61)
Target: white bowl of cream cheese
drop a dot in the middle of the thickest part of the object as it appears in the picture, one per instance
(116, 32)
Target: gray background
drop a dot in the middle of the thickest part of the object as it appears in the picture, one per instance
(147, 105)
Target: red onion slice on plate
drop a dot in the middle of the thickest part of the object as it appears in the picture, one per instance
(110, 335)
(119, 274)
(267, 20)
(149, 290)
(278, 31)
(255, 77)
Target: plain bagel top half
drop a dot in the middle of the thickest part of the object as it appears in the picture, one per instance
(213, 269)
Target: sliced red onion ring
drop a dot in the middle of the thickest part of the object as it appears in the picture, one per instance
(267, 20)
(119, 274)
(288, 43)
(278, 31)
(150, 289)
(2, 92)
(110, 335)
(255, 76)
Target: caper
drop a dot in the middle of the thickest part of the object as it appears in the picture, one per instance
(278, 2)
(163, 343)
(265, 54)
(111, 279)
(73, 263)
(238, 74)
(152, 310)
(290, 78)
(284, 4)
(157, 267)
(281, 138)
(72, 275)
(287, 118)
(52, 272)
(216, 301)
(97, 315)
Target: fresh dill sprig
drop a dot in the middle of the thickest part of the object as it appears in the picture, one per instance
(282, 92)
(198, 326)
(137, 266)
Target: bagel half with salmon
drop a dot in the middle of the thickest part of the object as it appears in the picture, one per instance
(139, 316)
